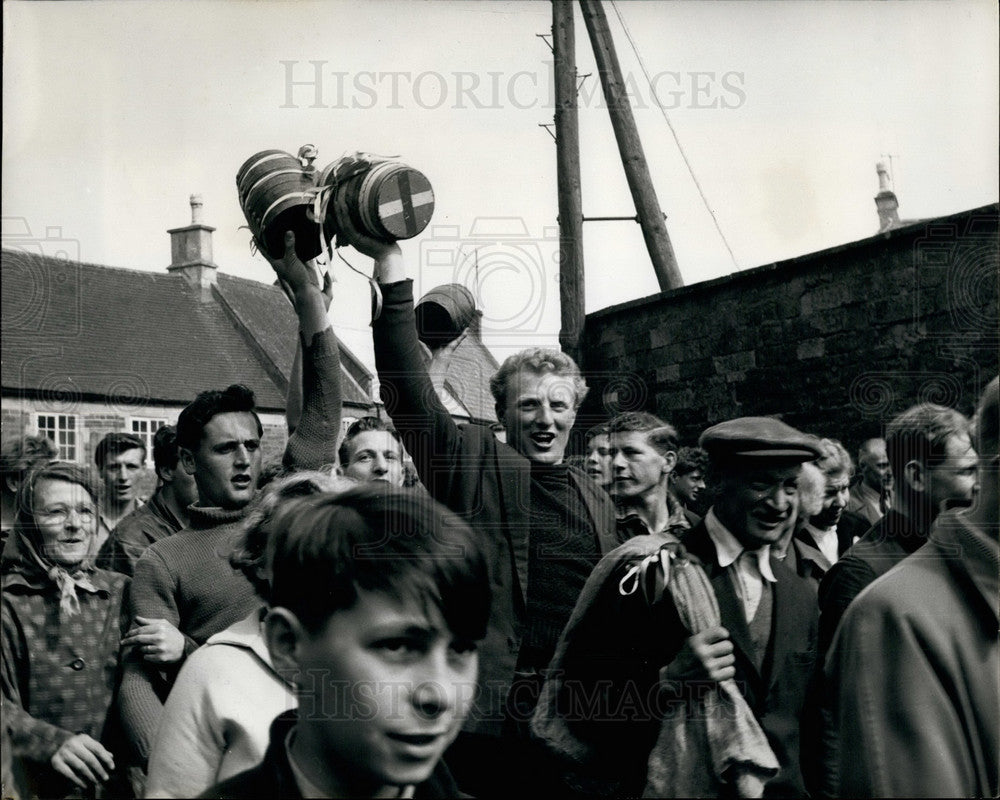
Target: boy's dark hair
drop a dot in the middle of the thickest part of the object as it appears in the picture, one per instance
(661, 435)
(323, 549)
(690, 459)
(199, 412)
(165, 451)
(360, 426)
(114, 444)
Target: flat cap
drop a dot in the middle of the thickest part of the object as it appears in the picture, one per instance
(758, 439)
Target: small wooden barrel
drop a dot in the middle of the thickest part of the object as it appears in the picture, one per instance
(389, 201)
(275, 196)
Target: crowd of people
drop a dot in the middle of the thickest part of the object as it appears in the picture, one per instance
(742, 616)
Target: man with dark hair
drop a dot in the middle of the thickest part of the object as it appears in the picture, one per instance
(913, 667)
(597, 463)
(18, 456)
(378, 599)
(871, 496)
(545, 523)
(632, 659)
(687, 479)
(643, 451)
(120, 458)
(184, 589)
(372, 451)
(933, 463)
(164, 514)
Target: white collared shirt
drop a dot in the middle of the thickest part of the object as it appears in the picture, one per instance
(826, 541)
(753, 567)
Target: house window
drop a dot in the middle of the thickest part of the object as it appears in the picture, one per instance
(61, 429)
(144, 428)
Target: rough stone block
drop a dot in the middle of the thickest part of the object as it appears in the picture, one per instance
(810, 348)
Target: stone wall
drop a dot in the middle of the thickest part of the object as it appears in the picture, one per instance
(835, 342)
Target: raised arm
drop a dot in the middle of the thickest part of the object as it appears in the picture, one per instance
(312, 442)
(430, 434)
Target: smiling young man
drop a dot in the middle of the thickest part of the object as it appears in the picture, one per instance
(627, 659)
(372, 451)
(378, 599)
(545, 524)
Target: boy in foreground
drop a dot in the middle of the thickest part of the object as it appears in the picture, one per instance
(378, 598)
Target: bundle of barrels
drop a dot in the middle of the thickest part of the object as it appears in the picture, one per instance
(278, 192)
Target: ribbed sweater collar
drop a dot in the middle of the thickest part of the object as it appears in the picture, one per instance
(213, 516)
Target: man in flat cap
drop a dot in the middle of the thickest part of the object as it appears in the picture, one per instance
(628, 662)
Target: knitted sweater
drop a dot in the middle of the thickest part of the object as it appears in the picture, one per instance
(185, 579)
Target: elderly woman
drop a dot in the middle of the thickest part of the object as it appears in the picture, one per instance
(62, 623)
(215, 722)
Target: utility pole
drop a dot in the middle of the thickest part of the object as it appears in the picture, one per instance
(571, 284)
(647, 207)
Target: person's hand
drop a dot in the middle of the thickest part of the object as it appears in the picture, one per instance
(705, 656)
(83, 760)
(348, 234)
(158, 640)
(290, 269)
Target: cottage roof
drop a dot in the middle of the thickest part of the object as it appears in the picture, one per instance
(88, 331)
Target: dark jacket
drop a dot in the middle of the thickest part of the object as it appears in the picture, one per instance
(808, 561)
(146, 525)
(613, 664)
(480, 478)
(273, 777)
(888, 542)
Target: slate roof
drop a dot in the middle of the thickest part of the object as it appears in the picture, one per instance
(107, 333)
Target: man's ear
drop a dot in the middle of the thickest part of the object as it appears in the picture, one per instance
(669, 462)
(283, 634)
(186, 459)
(12, 484)
(915, 475)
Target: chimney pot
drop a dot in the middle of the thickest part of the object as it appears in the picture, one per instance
(196, 218)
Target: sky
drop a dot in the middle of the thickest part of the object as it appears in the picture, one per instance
(116, 112)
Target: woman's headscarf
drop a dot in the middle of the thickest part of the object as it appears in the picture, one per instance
(24, 554)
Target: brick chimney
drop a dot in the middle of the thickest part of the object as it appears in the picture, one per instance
(191, 252)
(885, 201)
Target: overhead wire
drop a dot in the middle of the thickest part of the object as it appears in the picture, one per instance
(677, 141)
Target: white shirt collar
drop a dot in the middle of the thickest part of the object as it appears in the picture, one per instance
(729, 549)
(826, 541)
